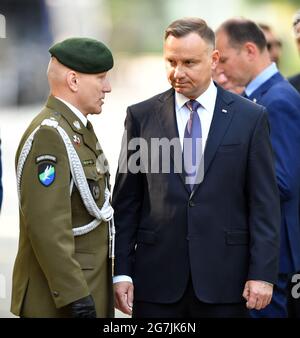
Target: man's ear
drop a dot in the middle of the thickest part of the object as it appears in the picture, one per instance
(215, 56)
(251, 50)
(72, 80)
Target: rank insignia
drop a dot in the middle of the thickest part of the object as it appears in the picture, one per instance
(76, 124)
(46, 173)
(76, 139)
(88, 162)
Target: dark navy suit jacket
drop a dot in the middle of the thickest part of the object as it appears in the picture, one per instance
(223, 233)
(283, 105)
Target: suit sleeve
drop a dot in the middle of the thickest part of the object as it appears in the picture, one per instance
(127, 202)
(47, 214)
(285, 138)
(264, 206)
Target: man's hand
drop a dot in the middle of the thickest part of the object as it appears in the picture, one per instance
(124, 297)
(83, 308)
(258, 294)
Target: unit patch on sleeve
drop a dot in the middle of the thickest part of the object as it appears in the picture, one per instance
(46, 173)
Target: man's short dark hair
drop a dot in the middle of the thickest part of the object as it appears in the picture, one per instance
(240, 31)
(185, 26)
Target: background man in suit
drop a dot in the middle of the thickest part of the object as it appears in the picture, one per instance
(244, 58)
(196, 250)
(295, 79)
(1, 188)
(62, 268)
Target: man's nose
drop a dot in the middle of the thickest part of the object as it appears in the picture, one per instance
(107, 86)
(178, 72)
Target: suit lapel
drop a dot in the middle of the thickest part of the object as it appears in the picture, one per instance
(166, 116)
(222, 117)
(257, 95)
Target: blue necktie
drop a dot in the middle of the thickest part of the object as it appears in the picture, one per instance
(192, 146)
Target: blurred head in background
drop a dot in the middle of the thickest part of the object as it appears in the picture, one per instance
(296, 29)
(274, 44)
(243, 50)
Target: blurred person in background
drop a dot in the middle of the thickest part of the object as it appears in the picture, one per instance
(29, 32)
(176, 257)
(293, 303)
(295, 79)
(245, 59)
(222, 80)
(63, 266)
(274, 44)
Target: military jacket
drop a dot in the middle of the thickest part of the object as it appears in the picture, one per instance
(53, 268)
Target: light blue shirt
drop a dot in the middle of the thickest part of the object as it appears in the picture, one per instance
(264, 76)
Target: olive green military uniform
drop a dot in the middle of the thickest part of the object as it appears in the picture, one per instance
(53, 268)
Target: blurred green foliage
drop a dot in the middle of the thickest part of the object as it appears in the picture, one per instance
(291, 2)
(138, 25)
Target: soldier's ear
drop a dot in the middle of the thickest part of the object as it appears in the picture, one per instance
(72, 80)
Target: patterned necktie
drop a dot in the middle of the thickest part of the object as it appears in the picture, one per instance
(192, 146)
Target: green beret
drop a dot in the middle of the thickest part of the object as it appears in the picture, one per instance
(84, 55)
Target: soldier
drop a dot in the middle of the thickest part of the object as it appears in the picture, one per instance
(63, 266)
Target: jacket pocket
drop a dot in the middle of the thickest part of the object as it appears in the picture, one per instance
(146, 236)
(236, 237)
(226, 148)
(86, 260)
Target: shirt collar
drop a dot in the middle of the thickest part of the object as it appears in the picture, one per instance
(76, 111)
(264, 76)
(207, 99)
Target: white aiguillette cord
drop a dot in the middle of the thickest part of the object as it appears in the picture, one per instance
(78, 177)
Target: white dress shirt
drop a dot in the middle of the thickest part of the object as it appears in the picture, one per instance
(205, 112)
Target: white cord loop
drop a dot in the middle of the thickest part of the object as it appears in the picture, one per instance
(79, 179)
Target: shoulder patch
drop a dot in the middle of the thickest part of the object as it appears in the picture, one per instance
(45, 157)
(46, 173)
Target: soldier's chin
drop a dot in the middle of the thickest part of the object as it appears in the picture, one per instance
(97, 111)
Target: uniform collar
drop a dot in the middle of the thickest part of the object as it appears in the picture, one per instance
(76, 111)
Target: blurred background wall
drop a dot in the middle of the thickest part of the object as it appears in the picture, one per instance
(134, 30)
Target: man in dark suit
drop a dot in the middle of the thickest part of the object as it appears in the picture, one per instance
(245, 60)
(1, 189)
(188, 245)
